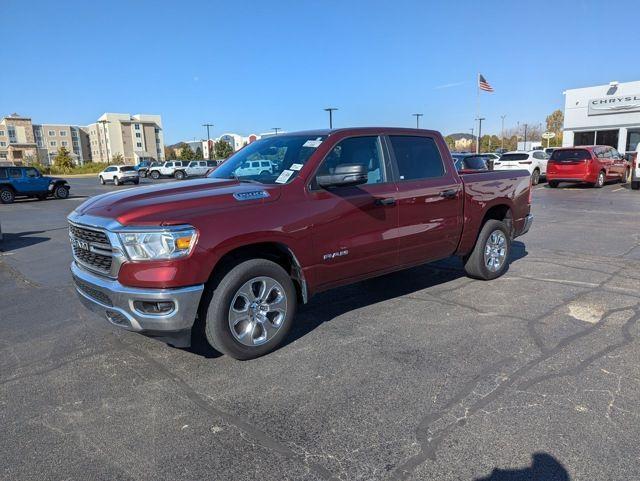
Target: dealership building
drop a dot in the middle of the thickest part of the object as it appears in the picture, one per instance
(603, 115)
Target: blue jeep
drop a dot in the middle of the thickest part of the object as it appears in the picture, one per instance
(29, 182)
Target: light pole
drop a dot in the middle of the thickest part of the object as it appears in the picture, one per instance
(502, 132)
(472, 137)
(525, 136)
(104, 134)
(479, 119)
(330, 110)
(417, 116)
(275, 129)
(208, 143)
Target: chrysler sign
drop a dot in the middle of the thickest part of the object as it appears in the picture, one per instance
(615, 105)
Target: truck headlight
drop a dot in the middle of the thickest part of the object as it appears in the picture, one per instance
(158, 245)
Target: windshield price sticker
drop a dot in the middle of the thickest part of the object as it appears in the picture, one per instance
(296, 166)
(312, 143)
(282, 178)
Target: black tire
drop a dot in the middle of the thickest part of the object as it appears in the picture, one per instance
(179, 174)
(535, 177)
(61, 192)
(102, 180)
(43, 196)
(142, 173)
(602, 177)
(265, 172)
(155, 175)
(7, 195)
(625, 176)
(553, 184)
(136, 182)
(116, 181)
(635, 184)
(475, 265)
(217, 329)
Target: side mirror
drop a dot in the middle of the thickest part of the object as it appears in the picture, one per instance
(343, 176)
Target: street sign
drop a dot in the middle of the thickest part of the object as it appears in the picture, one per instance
(548, 135)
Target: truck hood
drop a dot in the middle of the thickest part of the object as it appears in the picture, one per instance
(176, 202)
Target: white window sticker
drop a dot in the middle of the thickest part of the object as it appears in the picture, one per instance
(312, 143)
(296, 166)
(282, 178)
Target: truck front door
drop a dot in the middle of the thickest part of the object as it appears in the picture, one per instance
(430, 199)
(354, 228)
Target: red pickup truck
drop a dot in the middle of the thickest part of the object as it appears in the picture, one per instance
(238, 250)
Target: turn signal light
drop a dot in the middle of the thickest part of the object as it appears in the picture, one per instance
(183, 243)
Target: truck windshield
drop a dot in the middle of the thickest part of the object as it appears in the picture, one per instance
(569, 155)
(276, 159)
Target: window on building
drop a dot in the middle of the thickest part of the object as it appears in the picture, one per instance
(53, 143)
(2, 133)
(63, 133)
(417, 157)
(3, 144)
(138, 134)
(3, 155)
(139, 144)
(633, 139)
(157, 130)
(584, 138)
(64, 143)
(75, 143)
(74, 133)
(607, 137)
(51, 133)
(136, 126)
(40, 143)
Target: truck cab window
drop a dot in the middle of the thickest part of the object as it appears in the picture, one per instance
(356, 150)
(417, 157)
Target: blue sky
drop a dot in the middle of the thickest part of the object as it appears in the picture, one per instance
(248, 66)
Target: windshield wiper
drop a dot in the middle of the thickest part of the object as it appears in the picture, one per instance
(243, 181)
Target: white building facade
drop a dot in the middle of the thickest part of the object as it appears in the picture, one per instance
(603, 115)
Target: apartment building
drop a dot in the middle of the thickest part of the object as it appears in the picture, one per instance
(135, 137)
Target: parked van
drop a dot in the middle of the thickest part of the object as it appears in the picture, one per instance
(593, 164)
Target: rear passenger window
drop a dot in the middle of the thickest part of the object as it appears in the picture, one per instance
(417, 157)
(15, 173)
(3, 173)
(356, 150)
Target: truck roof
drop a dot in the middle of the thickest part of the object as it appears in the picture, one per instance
(361, 130)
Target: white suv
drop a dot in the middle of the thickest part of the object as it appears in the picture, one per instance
(119, 174)
(199, 167)
(534, 161)
(173, 168)
(255, 167)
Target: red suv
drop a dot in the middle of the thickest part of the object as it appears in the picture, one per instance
(594, 164)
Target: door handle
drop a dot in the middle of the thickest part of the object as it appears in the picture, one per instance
(387, 201)
(449, 193)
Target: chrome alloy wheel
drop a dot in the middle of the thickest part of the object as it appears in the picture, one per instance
(495, 250)
(6, 196)
(257, 311)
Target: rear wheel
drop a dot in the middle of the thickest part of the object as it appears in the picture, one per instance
(251, 310)
(553, 184)
(142, 173)
(116, 181)
(600, 180)
(7, 195)
(635, 184)
(179, 175)
(61, 192)
(535, 177)
(136, 182)
(155, 175)
(490, 256)
(625, 176)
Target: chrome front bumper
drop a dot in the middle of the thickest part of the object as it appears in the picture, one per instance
(117, 304)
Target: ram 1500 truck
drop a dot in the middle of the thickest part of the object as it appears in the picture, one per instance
(233, 254)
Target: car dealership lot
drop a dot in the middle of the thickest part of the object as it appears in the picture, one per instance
(422, 374)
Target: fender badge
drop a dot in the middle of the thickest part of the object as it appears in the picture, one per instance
(255, 194)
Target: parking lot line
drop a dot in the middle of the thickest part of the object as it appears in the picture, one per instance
(619, 188)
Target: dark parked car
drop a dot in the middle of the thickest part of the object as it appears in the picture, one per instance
(468, 162)
(29, 182)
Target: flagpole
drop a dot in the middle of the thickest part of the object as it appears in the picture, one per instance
(478, 110)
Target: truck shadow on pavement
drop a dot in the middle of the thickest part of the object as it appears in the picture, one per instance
(330, 304)
(544, 467)
(12, 242)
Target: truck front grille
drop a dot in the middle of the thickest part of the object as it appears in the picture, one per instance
(91, 248)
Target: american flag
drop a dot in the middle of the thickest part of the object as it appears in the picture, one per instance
(483, 84)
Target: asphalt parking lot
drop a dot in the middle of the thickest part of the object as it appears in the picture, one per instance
(422, 374)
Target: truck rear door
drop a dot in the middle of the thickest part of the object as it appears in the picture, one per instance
(430, 198)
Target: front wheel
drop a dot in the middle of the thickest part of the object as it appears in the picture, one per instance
(61, 192)
(600, 180)
(179, 175)
(116, 181)
(155, 175)
(7, 195)
(102, 180)
(143, 174)
(251, 310)
(535, 177)
(490, 256)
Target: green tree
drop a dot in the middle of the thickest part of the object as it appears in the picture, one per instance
(198, 155)
(451, 142)
(63, 159)
(186, 153)
(222, 149)
(117, 158)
